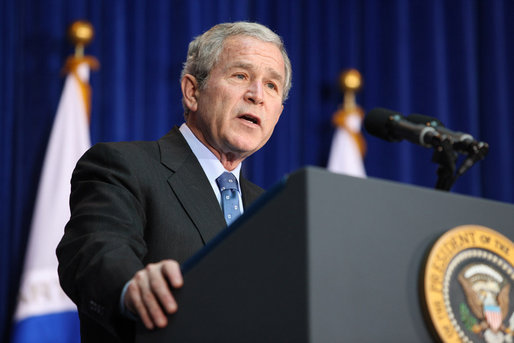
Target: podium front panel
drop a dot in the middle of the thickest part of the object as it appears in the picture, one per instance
(323, 258)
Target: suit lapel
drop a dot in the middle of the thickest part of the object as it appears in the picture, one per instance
(191, 186)
(250, 192)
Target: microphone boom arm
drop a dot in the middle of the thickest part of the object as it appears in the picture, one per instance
(431, 133)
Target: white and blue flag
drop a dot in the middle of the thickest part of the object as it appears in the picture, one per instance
(44, 313)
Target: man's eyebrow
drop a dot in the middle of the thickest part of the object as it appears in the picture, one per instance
(274, 74)
(242, 65)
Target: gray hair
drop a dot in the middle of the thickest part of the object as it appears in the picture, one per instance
(204, 51)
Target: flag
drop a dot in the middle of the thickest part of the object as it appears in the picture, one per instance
(348, 145)
(44, 313)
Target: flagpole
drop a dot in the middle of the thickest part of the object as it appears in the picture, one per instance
(80, 33)
(348, 144)
(351, 82)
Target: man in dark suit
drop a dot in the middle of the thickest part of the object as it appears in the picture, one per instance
(139, 209)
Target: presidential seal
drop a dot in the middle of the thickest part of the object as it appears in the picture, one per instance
(468, 278)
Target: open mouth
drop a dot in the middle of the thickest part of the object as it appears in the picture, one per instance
(250, 118)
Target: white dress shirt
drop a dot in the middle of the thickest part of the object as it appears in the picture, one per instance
(211, 166)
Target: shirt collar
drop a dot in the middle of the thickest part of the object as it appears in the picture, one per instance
(211, 166)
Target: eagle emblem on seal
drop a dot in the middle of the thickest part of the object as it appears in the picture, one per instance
(487, 295)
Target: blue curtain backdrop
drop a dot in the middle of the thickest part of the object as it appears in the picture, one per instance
(448, 59)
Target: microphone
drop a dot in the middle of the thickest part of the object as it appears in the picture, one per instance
(392, 126)
(428, 132)
(463, 142)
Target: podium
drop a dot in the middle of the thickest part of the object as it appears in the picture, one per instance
(322, 258)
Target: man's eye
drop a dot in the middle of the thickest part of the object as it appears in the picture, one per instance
(240, 76)
(271, 85)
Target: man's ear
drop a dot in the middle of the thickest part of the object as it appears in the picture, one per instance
(189, 87)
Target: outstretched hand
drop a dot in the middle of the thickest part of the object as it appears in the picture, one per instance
(148, 292)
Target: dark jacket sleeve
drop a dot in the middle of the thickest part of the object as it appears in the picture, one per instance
(129, 207)
(103, 243)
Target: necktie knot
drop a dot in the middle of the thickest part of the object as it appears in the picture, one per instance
(229, 188)
(227, 181)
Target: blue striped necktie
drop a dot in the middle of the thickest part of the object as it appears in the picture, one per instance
(229, 189)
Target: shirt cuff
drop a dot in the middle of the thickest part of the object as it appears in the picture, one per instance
(124, 311)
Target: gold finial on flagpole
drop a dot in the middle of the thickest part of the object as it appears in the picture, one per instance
(81, 34)
(350, 81)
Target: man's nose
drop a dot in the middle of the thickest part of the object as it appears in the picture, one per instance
(254, 93)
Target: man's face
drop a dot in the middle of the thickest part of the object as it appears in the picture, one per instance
(241, 103)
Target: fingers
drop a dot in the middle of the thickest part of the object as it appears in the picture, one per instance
(148, 292)
(165, 271)
(140, 300)
(171, 269)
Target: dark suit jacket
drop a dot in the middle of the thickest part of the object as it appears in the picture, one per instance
(133, 203)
